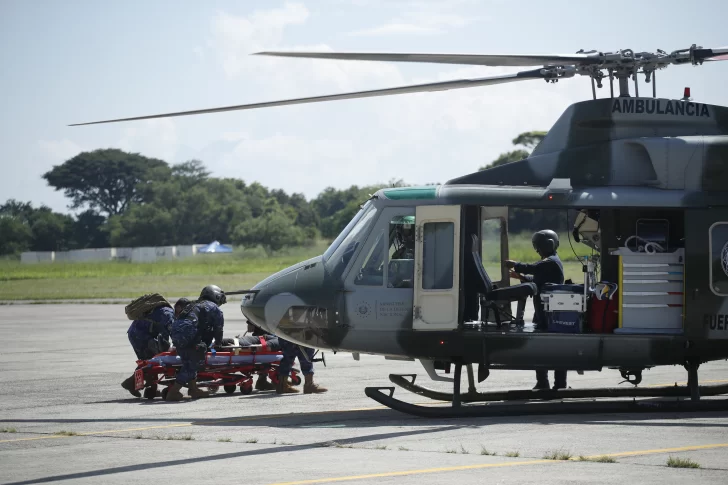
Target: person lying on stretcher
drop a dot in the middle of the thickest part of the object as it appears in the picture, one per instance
(271, 344)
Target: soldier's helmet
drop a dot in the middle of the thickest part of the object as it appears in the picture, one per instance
(180, 305)
(214, 294)
(545, 242)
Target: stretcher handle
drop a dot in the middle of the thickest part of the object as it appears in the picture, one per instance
(239, 346)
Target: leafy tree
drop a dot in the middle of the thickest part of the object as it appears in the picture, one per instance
(51, 231)
(529, 139)
(90, 230)
(106, 180)
(336, 208)
(274, 230)
(508, 157)
(24, 228)
(15, 236)
(190, 172)
(175, 213)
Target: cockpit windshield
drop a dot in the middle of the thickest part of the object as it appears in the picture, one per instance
(327, 254)
(354, 234)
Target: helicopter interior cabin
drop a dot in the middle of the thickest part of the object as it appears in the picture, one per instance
(623, 270)
(436, 267)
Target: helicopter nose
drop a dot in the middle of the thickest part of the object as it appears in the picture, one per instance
(289, 304)
(254, 311)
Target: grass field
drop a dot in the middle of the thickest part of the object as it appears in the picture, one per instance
(68, 281)
(51, 281)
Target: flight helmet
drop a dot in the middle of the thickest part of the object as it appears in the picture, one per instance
(214, 294)
(545, 242)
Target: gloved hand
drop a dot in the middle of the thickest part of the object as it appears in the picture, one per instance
(218, 339)
(201, 347)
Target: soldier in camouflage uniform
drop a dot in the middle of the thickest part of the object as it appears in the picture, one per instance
(149, 336)
(179, 306)
(262, 384)
(304, 355)
(192, 334)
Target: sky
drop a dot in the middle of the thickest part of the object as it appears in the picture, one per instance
(84, 60)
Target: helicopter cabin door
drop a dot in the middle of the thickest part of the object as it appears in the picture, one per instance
(706, 274)
(437, 267)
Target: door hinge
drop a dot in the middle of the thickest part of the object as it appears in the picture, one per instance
(418, 312)
(418, 233)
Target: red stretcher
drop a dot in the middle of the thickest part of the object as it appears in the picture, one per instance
(231, 367)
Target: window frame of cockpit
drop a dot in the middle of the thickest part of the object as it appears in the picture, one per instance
(332, 253)
(380, 230)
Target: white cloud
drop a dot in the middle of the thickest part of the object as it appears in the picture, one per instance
(59, 150)
(421, 18)
(152, 138)
(395, 29)
(234, 135)
(300, 164)
(237, 36)
(422, 138)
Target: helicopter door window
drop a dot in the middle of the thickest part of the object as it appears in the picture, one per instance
(437, 257)
(401, 269)
(492, 247)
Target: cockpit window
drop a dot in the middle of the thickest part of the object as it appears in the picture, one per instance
(354, 237)
(334, 245)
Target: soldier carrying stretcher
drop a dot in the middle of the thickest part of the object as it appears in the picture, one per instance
(149, 331)
(197, 325)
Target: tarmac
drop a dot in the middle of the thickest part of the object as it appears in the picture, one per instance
(65, 418)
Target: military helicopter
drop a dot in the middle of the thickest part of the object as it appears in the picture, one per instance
(406, 278)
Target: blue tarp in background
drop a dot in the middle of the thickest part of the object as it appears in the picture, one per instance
(215, 247)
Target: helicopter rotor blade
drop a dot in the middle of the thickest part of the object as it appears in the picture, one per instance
(415, 88)
(710, 55)
(471, 59)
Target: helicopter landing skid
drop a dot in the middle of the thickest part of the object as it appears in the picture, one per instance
(543, 395)
(525, 409)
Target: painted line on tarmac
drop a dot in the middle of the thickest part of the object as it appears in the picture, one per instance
(416, 472)
(681, 383)
(662, 450)
(493, 465)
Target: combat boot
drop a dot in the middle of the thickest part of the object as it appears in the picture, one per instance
(542, 380)
(284, 387)
(262, 384)
(174, 393)
(194, 392)
(129, 385)
(559, 380)
(310, 388)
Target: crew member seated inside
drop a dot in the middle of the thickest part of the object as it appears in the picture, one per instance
(547, 270)
(401, 262)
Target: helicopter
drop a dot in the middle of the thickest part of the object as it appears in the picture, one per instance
(406, 278)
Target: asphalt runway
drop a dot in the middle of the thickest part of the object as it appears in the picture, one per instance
(65, 418)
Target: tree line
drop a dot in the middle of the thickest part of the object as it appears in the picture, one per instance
(127, 200)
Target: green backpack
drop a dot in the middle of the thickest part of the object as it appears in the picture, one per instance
(145, 304)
